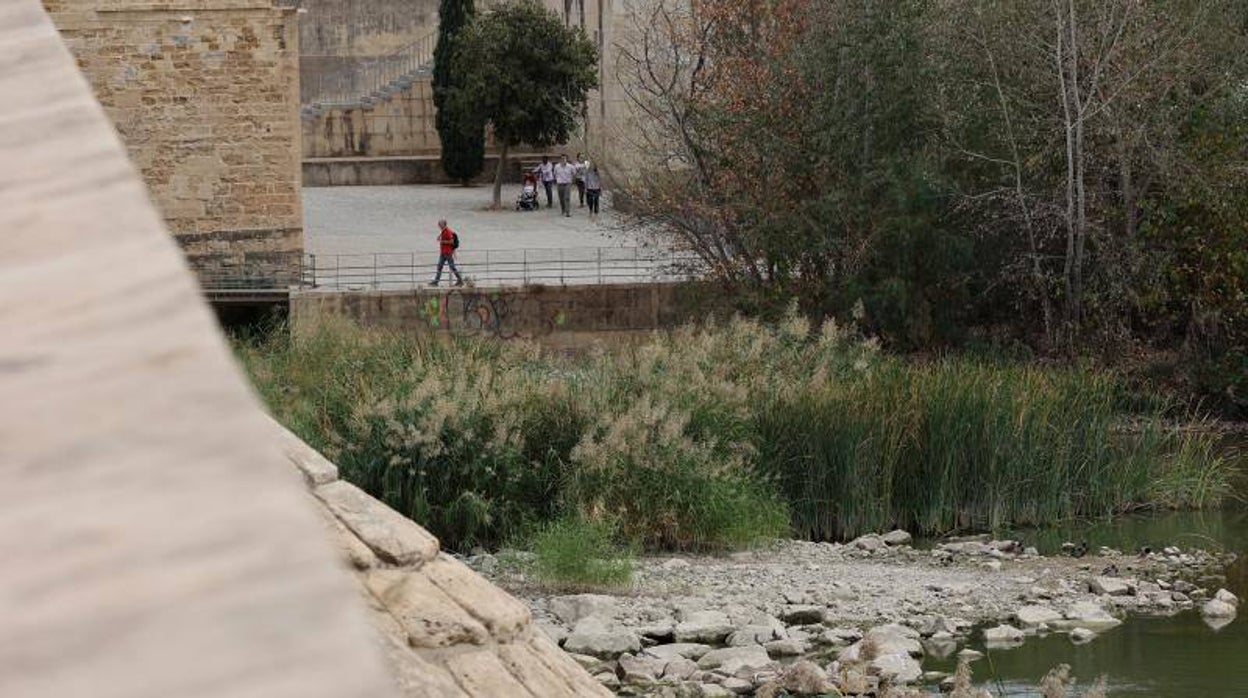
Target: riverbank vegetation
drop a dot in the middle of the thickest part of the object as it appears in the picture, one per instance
(1055, 179)
(721, 437)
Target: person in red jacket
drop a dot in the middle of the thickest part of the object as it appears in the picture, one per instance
(448, 242)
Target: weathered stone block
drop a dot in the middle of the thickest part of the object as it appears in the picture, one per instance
(504, 616)
(482, 674)
(392, 536)
(428, 616)
(316, 469)
(562, 665)
(352, 548)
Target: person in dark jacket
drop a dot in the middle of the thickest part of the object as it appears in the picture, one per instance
(593, 190)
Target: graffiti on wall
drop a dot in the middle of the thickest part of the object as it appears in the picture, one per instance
(496, 314)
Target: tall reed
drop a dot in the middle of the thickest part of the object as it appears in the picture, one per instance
(959, 445)
(722, 436)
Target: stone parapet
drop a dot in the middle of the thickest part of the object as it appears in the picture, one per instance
(155, 541)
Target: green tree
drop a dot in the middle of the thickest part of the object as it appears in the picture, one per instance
(462, 134)
(519, 70)
(787, 143)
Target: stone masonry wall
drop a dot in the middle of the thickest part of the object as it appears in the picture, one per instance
(446, 631)
(400, 125)
(205, 95)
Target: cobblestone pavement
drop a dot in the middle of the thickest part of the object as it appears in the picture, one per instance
(367, 220)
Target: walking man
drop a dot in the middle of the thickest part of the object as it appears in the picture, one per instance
(546, 173)
(564, 173)
(448, 242)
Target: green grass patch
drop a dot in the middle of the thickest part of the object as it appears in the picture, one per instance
(575, 554)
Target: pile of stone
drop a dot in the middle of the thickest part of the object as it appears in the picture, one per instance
(710, 653)
(806, 618)
(1219, 611)
(701, 651)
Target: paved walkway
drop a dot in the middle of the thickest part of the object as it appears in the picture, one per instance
(384, 238)
(367, 220)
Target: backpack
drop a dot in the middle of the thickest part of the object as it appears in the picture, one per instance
(455, 241)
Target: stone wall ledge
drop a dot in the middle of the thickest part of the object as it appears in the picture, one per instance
(446, 630)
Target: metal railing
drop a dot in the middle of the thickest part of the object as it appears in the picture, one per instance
(367, 78)
(390, 271)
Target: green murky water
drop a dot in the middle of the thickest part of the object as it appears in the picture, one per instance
(1169, 657)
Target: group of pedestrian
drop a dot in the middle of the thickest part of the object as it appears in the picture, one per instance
(562, 176)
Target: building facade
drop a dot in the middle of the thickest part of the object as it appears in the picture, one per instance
(205, 95)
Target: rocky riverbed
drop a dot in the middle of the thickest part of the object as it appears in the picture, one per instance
(808, 618)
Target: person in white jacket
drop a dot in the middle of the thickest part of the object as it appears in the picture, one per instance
(565, 172)
(546, 175)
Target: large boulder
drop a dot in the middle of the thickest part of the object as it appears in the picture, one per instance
(870, 541)
(895, 668)
(641, 668)
(598, 638)
(1216, 608)
(573, 609)
(761, 630)
(1033, 616)
(679, 669)
(883, 640)
(1112, 586)
(1003, 635)
(803, 614)
(896, 537)
(1086, 614)
(703, 626)
(1226, 597)
(731, 660)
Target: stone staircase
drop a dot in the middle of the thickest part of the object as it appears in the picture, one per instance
(371, 80)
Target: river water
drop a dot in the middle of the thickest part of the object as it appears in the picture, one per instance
(1177, 656)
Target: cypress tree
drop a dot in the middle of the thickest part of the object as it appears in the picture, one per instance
(462, 135)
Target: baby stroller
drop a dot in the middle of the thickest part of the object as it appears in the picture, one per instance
(527, 200)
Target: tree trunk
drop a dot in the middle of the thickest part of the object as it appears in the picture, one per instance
(498, 176)
(1068, 118)
(1081, 196)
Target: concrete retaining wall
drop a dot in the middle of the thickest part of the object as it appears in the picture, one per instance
(560, 316)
